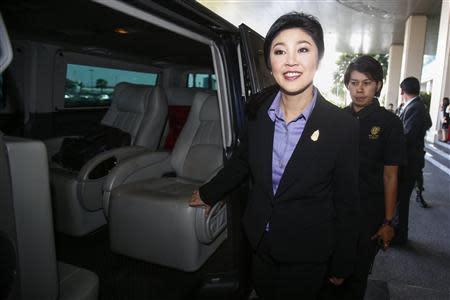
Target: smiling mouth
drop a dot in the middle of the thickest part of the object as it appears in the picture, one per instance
(292, 75)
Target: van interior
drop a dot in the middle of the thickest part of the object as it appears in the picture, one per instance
(122, 215)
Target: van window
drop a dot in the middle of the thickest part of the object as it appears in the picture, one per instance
(93, 86)
(202, 80)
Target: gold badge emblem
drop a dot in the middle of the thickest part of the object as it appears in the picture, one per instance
(315, 135)
(374, 132)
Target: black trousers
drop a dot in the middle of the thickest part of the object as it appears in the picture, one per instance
(405, 189)
(419, 182)
(408, 176)
(274, 280)
(354, 287)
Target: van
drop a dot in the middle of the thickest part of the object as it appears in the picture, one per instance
(77, 64)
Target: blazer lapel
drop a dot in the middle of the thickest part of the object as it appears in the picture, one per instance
(305, 151)
(266, 142)
(410, 105)
(264, 132)
(402, 115)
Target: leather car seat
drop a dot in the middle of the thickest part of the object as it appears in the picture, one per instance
(150, 218)
(141, 111)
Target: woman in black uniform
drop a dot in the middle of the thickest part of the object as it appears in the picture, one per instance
(381, 151)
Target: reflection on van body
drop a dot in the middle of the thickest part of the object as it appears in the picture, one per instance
(173, 77)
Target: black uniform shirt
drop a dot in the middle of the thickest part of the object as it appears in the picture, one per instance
(381, 143)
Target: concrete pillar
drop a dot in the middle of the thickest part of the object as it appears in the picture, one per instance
(393, 75)
(413, 46)
(441, 80)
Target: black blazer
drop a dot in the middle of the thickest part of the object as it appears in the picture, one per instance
(315, 211)
(416, 121)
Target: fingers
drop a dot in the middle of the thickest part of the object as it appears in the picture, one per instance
(196, 201)
(336, 281)
(385, 234)
(382, 242)
(386, 243)
(195, 195)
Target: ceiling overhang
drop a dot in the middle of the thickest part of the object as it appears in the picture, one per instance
(364, 26)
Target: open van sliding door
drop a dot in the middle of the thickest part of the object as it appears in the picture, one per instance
(253, 76)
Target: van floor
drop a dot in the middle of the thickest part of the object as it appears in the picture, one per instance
(122, 277)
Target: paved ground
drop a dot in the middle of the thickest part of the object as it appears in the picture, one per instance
(421, 269)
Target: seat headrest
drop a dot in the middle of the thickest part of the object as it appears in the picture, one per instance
(180, 95)
(130, 97)
(210, 109)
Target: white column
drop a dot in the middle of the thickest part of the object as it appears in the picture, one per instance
(441, 80)
(393, 74)
(413, 46)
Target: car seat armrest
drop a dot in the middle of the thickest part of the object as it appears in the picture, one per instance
(142, 166)
(209, 227)
(101, 164)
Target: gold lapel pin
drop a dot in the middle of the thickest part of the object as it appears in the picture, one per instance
(315, 135)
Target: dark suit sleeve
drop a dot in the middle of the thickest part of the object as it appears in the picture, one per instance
(346, 202)
(414, 123)
(235, 171)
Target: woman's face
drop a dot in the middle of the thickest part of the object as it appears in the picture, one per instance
(362, 89)
(294, 59)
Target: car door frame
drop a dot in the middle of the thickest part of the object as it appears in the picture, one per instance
(225, 40)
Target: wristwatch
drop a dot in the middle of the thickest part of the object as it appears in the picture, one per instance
(388, 222)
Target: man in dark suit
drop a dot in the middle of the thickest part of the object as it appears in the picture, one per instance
(416, 122)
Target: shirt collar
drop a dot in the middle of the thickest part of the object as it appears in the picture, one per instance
(366, 110)
(408, 102)
(275, 111)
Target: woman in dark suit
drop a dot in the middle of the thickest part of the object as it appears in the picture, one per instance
(301, 155)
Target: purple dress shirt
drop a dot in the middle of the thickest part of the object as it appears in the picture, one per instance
(286, 136)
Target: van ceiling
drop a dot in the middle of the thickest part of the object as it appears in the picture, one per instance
(84, 26)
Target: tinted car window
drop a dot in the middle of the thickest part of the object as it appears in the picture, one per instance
(93, 86)
(202, 80)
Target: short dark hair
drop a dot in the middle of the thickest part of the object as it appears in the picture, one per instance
(445, 103)
(305, 22)
(367, 65)
(410, 86)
